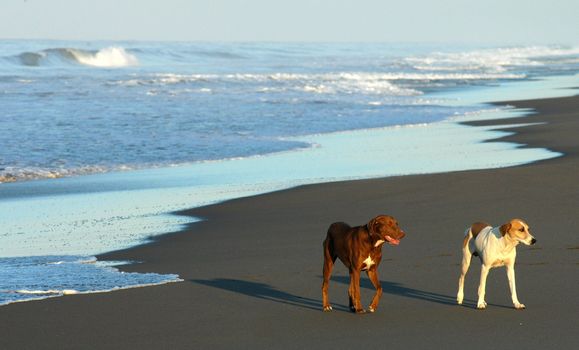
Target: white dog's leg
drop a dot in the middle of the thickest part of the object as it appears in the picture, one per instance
(513, 286)
(466, 258)
(481, 304)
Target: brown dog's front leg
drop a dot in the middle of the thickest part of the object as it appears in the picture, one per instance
(355, 291)
(373, 275)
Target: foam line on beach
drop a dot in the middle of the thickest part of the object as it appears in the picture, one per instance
(67, 275)
(41, 294)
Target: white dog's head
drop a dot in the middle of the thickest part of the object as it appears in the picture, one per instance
(518, 231)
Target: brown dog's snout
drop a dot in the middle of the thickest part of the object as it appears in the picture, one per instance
(395, 237)
(401, 234)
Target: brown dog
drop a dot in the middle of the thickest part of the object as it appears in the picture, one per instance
(360, 249)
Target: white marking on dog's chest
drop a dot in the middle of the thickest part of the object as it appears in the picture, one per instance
(368, 263)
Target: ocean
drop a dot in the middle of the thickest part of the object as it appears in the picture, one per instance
(101, 141)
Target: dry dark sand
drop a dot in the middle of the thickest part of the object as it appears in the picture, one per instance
(252, 269)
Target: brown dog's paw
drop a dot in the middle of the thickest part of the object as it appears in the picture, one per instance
(360, 311)
(327, 308)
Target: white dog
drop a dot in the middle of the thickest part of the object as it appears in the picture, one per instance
(495, 247)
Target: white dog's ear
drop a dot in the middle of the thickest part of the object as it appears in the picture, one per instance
(504, 229)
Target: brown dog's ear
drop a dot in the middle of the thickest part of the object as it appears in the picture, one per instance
(504, 229)
(371, 226)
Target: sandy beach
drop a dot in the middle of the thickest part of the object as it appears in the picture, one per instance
(252, 268)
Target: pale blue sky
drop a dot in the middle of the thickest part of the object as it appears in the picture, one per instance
(464, 21)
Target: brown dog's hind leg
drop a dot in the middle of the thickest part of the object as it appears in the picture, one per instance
(329, 260)
(351, 297)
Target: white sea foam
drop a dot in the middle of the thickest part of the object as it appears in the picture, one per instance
(108, 57)
(40, 277)
(50, 291)
(12, 174)
(496, 59)
(360, 77)
(24, 295)
(327, 83)
(281, 82)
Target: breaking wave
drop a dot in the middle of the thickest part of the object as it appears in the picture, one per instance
(109, 57)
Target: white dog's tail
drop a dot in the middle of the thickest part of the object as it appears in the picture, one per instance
(467, 237)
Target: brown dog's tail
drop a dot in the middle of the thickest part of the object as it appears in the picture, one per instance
(334, 231)
(328, 249)
(338, 229)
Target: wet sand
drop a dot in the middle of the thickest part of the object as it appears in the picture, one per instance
(252, 267)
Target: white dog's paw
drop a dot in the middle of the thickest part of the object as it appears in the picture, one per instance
(459, 299)
(481, 305)
(520, 306)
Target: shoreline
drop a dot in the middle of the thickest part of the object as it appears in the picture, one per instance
(515, 126)
(142, 201)
(252, 267)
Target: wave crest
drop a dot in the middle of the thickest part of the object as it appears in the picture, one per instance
(109, 57)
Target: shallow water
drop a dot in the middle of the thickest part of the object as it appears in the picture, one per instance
(74, 108)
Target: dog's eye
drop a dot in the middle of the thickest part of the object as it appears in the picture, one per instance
(522, 229)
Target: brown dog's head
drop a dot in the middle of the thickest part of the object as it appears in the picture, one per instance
(387, 227)
(518, 230)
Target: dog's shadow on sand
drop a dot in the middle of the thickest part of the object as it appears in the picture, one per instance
(398, 289)
(267, 292)
(261, 291)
